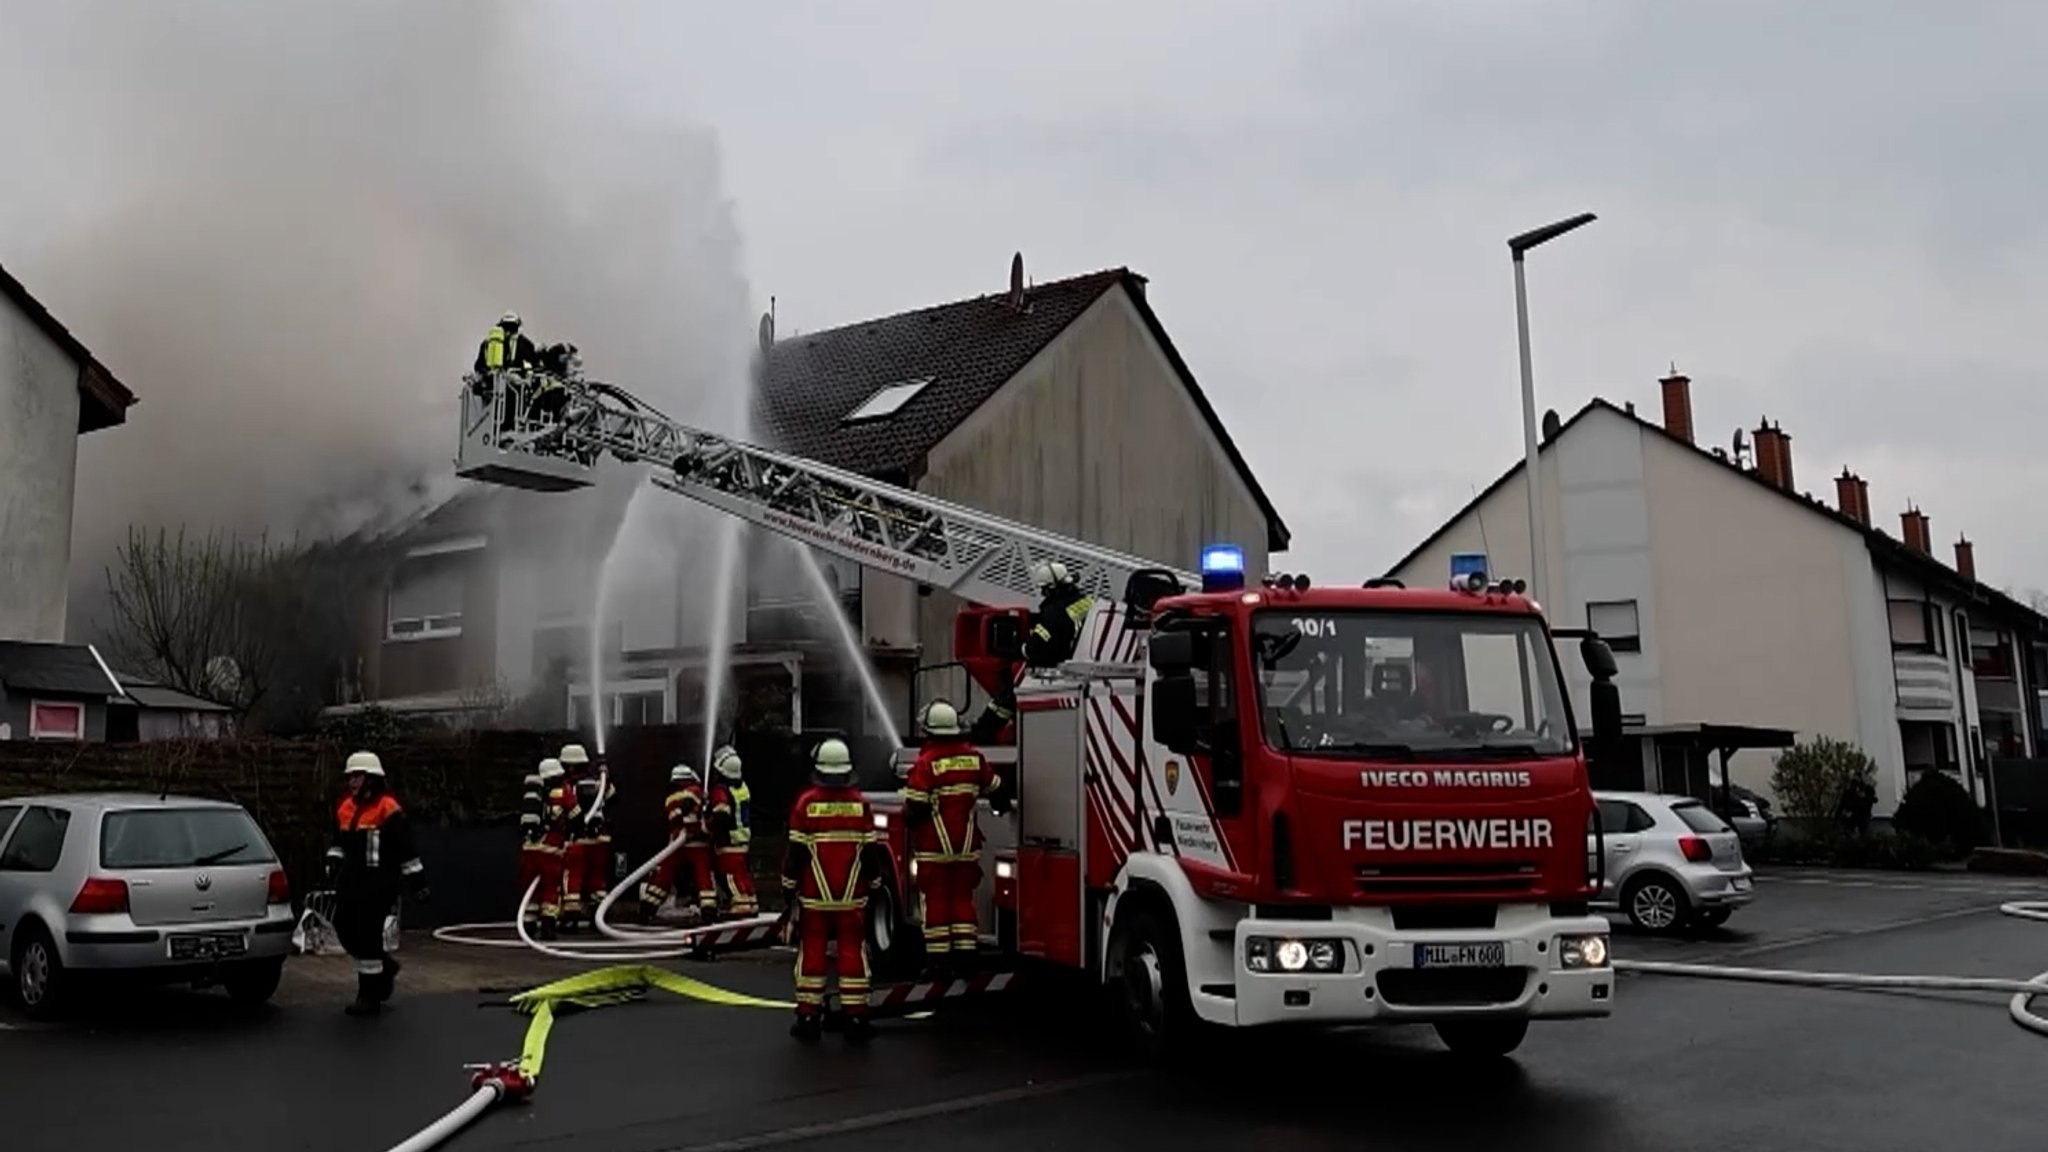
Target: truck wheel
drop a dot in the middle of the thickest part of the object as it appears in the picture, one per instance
(1482, 1038)
(1655, 904)
(895, 945)
(1151, 986)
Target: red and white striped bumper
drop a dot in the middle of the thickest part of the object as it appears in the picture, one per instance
(737, 939)
(926, 994)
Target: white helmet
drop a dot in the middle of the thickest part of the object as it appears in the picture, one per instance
(941, 719)
(364, 762)
(550, 769)
(574, 754)
(1047, 573)
(509, 320)
(727, 763)
(682, 774)
(833, 760)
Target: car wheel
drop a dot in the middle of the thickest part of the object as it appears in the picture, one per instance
(1482, 1038)
(254, 982)
(1655, 904)
(1712, 917)
(41, 984)
(1151, 987)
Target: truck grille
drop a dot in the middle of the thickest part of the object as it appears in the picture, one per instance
(1452, 987)
(1490, 878)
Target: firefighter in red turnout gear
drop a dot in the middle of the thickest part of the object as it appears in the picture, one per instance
(687, 871)
(371, 859)
(940, 802)
(557, 812)
(834, 860)
(587, 864)
(731, 827)
(539, 863)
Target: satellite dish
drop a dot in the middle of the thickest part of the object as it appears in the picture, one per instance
(1740, 448)
(767, 332)
(1551, 425)
(1017, 280)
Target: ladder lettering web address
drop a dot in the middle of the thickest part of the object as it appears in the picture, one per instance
(983, 559)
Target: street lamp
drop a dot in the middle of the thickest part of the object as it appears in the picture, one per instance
(1517, 246)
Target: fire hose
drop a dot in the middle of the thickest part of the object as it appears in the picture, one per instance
(2020, 1007)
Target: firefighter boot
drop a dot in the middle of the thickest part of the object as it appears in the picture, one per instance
(387, 983)
(857, 1030)
(805, 1029)
(366, 1002)
(547, 928)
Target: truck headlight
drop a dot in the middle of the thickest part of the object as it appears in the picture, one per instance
(882, 820)
(1582, 951)
(1286, 954)
(1005, 870)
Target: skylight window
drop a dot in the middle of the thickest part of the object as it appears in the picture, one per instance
(887, 400)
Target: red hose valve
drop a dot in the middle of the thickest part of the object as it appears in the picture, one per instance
(514, 1086)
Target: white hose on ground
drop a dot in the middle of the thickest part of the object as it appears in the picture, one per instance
(2020, 1007)
(455, 1121)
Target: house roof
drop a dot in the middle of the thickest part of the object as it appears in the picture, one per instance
(62, 669)
(150, 694)
(967, 350)
(103, 400)
(1882, 546)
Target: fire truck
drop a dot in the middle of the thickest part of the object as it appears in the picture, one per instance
(1241, 802)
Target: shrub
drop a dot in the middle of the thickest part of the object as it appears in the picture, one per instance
(1809, 778)
(1938, 809)
(1903, 851)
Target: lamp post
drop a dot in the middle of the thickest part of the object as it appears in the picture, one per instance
(1517, 246)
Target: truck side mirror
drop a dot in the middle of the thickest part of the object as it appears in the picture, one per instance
(1146, 588)
(1599, 658)
(1171, 652)
(1174, 712)
(1606, 701)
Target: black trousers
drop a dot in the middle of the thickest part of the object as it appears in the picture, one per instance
(359, 923)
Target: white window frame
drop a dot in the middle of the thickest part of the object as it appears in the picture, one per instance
(444, 626)
(1635, 608)
(664, 686)
(888, 400)
(37, 731)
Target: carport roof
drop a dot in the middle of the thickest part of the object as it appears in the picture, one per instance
(1730, 736)
(65, 669)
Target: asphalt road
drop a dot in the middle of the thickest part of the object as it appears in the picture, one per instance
(1682, 1065)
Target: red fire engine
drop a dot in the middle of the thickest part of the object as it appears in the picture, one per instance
(1236, 803)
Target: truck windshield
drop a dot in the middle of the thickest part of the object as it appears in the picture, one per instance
(1409, 685)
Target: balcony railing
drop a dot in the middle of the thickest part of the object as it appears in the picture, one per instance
(1925, 682)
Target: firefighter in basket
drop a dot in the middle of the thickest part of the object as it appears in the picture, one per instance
(833, 861)
(690, 865)
(940, 802)
(371, 859)
(731, 827)
(1055, 630)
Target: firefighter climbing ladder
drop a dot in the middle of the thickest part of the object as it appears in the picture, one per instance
(982, 559)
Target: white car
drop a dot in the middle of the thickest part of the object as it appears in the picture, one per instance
(164, 888)
(1670, 863)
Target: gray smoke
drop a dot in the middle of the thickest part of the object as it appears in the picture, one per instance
(287, 226)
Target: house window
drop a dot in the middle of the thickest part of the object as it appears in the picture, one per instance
(53, 721)
(887, 400)
(1617, 623)
(639, 710)
(1916, 627)
(425, 602)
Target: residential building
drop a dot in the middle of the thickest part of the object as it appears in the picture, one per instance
(1063, 405)
(52, 391)
(1736, 601)
(67, 692)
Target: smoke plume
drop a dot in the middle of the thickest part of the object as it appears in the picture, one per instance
(287, 226)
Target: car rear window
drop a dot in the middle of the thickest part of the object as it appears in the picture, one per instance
(182, 838)
(1699, 819)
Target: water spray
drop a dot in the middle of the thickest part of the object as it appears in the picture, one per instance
(718, 657)
(849, 640)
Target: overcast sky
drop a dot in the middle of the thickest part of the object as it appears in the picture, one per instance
(1825, 213)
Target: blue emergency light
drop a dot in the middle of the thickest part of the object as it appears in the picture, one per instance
(1222, 568)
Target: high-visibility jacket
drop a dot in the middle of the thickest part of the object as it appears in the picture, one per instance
(685, 805)
(732, 814)
(501, 350)
(1056, 627)
(833, 855)
(562, 817)
(941, 797)
(373, 844)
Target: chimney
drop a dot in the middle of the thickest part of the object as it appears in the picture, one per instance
(1852, 497)
(1863, 501)
(1966, 558)
(1784, 457)
(1677, 405)
(1017, 282)
(1769, 453)
(1913, 526)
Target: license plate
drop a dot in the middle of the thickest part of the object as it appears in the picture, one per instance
(1491, 955)
(208, 945)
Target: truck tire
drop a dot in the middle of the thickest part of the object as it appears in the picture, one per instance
(895, 944)
(1483, 1037)
(1151, 985)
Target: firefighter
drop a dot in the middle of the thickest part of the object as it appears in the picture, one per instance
(587, 866)
(558, 811)
(940, 802)
(534, 853)
(832, 864)
(371, 859)
(692, 862)
(1056, 625)
(732, 831)
(504, 350)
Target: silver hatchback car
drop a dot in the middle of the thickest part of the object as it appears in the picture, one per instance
(166, 888)
(1670, 862)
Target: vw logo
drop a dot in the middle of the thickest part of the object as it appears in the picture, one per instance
(203, 882)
